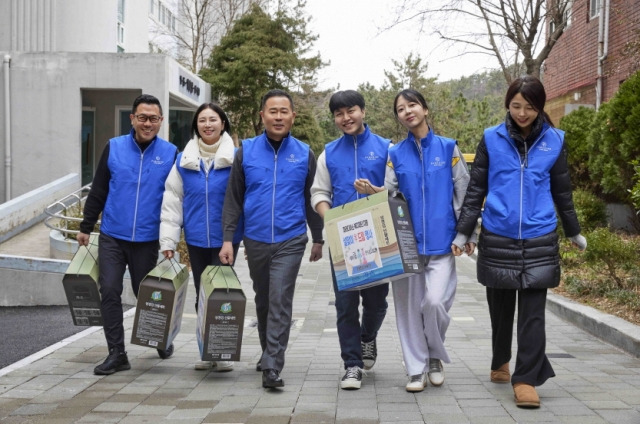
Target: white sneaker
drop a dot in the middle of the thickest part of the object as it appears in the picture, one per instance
(416, 383)
(352, 378)
(436, 372)
(203, 365)
(223, 366)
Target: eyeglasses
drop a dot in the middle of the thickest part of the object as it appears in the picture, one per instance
(154, 119)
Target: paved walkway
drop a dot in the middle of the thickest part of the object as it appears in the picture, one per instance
(595, 383)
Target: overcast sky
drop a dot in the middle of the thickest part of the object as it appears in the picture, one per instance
(350, 39)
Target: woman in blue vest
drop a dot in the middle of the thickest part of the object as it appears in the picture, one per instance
(521, 169)
(432, 174)
(193, 198)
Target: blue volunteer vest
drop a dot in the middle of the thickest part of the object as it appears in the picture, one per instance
(519, 204)
(351, 157)
(274, 205)
(202, 205)
(132, 209)
(427, 184)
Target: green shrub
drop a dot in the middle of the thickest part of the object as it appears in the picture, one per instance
(614, 141)
(602, 147)
(608, 254)
(625, 297)
(635, 190)
(591, 210)
(75, 212)
(576, 126)
(585, 287)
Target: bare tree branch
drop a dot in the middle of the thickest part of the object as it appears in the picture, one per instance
(201, 24)
(519, 33)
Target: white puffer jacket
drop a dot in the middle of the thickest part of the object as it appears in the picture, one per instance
(171, 217)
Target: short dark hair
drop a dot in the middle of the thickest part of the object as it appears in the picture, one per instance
(226, 125)
(410, 95)
(275, 93)
(346, 98)
(146, 99)
(532, 91)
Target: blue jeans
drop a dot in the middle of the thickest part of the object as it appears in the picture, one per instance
(350, 331)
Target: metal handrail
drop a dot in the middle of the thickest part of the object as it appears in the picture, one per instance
(58, 211)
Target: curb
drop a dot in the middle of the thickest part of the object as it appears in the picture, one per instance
(611, 329)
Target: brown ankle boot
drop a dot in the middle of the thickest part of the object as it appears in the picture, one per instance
(526, 396)
(501, 375)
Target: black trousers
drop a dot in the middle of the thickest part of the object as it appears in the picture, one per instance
(200, 258)
(114, 256)
(532, 365)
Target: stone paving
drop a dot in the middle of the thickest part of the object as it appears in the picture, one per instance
(595, 382)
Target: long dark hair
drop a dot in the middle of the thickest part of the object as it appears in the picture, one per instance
(226, 126)
(410, 95)
(533, 92)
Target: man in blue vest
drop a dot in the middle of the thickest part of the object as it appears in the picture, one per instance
(270, 181)
(127, 189)
(348, 167)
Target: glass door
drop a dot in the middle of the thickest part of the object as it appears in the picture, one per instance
(88, 144)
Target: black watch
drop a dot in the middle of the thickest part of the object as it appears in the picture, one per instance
(318, 241)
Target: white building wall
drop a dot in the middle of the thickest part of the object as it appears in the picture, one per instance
(86, 25)
(61, 50)
(136, 24)
(73, 26)
(46, 106)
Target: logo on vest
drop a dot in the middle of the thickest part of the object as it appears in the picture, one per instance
(292, 158)
(437, 162)
(372, 156)
(157, 160)
(544, 147)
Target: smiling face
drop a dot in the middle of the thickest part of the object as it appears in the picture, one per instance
(277, 117)
(210, 126)
(412, 115)
(522, 113)
(147, 130)
(349, 120)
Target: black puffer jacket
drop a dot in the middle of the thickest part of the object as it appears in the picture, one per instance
(518, 264)
(506, 263)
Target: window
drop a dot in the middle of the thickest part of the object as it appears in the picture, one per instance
(123, 123)
(180, 126)
(568, 12)
(120, 29)
(152, 6)
(594, 8)
(120, 34)
(88, 144)
(121, 11)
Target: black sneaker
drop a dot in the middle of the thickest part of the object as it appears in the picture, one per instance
(116, 361)
(164, 354)
(369, 353)
(352, 379)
